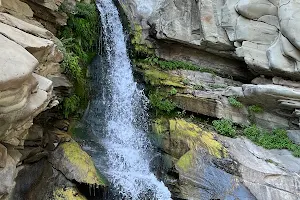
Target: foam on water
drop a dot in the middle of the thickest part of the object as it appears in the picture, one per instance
(128, 150)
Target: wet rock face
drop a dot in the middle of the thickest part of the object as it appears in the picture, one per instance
(206, 169)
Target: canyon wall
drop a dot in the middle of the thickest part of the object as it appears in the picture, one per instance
(248, 54)
(37, 160)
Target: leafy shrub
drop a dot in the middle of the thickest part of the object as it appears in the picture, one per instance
(277, 139)
(80, 40)
(173, 91)
(198, 87)
(255, 109)
(234, 102)
(160, 101)
(70, 105)
(225, 127)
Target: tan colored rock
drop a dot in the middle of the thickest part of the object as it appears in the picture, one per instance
(17, 8)
(24, 26)
(3, 156)
(16, 64)
(38, 47)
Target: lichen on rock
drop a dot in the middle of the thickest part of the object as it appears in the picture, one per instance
(76, 164)
(69, 193)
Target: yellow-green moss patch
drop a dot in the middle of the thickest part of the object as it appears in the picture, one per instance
(196, 137)
(82, 164)
(69, 193)
(156, 77)
(185, 161)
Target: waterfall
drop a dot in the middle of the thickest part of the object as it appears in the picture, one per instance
(118, 118)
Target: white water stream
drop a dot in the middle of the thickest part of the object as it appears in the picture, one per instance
(128, 150)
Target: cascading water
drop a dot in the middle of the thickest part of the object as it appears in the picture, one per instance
(118, 119)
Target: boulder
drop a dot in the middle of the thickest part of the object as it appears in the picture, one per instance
(268, 174)
(24, 26)
(254, 9)
(75, 164)
(17, 8)
(294, 135)
(38, 47)
(17, 64)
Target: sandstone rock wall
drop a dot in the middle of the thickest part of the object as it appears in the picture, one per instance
(237, 38)
(30, 83)
(253, 48)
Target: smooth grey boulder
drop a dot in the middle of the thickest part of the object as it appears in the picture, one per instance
(294, 135)
(289, 16)
(254, 9)
(268, 174)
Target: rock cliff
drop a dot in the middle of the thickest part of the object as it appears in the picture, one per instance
(31, 81)
(228, 59)
(251, 41)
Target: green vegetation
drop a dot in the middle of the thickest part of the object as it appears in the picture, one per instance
(234, 102)
(172, 65)
(160, 101)
(70, 105)
(276, 139)
(140, 49)
(173, 91)
(255, 109)
(217, 86)
(225, 127)
(79, 39)
(198, 87)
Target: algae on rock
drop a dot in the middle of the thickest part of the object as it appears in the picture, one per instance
(76, 164)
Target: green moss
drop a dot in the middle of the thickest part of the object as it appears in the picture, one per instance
(186, 161)
(217, 86)
(255, 109)
(196, 137)
(161, 102)
(80, 40)
(234, 102)
(277, 139)
(84, 164)
(140, 48)
(173, 91)
(173, 65)
(225, 127)
(157, 78)
(70, 105)
(198, 87)
(160, 126)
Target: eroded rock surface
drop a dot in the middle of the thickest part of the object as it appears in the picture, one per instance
(209, 170)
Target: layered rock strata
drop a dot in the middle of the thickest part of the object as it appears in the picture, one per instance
(31, 82)
(236, 38)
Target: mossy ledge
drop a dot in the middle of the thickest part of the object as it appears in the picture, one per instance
(80, 39)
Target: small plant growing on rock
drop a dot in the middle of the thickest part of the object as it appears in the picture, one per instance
(198, 87)
(217, 86)
(173, 91)
(255, 109)
(186, 81)
(225, 127)
(234, 102)
(161, 102)
(277, 139)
